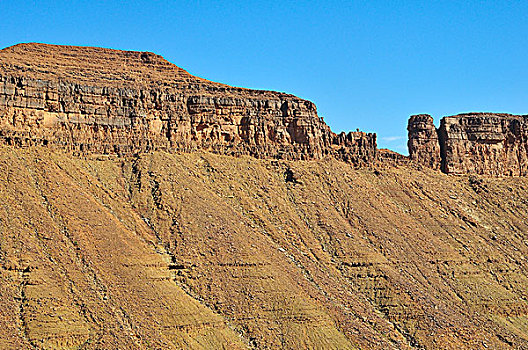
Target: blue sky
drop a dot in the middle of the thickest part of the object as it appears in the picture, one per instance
(366, 64)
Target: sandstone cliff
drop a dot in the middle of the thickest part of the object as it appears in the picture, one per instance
(159, 250)
(423, 144)
(108, 101)
(472, 143)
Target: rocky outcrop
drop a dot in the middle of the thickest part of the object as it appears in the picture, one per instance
(485, 143)
(108, 101)
(423, 141)
(472, 143)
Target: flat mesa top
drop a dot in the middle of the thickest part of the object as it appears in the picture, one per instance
(486, 114)
(95, 66)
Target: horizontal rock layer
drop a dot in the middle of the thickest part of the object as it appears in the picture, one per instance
(109, 101)
(473, 143)
(423, 141)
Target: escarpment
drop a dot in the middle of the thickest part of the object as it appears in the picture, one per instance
(493, 144)
(158, 249)
(107, 101)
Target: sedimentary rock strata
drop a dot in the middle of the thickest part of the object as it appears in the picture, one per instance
(109, 101)
(485, 143)
(473, 143)
(205, 251)
(423, 141)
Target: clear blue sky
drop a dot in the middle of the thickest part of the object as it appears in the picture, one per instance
(366, 64)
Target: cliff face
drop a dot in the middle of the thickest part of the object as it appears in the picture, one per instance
(108, 101)
(472, 143)
(423, 141)
(157, 250)
(486, 143)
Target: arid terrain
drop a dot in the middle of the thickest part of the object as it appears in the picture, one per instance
(144, 228)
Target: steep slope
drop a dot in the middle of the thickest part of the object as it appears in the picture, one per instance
(209, 251)
(112, 238)
(74, 275)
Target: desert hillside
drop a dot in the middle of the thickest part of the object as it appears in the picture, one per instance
(145, 208)
(209, 251)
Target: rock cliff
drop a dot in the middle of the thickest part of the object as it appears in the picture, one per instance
(472, 143)
(423, 141)
(108, 101)
(197, 250)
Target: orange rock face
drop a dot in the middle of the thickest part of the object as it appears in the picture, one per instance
(109, 101)
(423, 141)
(486, 143)
(473, 143)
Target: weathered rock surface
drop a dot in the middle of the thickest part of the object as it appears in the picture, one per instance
(205, 251)
(474, 143)
(423, 141)
(108, 101)
(486, 143)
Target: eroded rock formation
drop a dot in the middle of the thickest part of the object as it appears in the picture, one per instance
(486, 143)
(202, 251)
(108, 101)
(472, 143)
(423, 141)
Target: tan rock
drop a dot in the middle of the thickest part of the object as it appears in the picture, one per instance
(109, 101)
(472, 143)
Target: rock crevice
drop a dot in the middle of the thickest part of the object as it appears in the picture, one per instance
(472, 143)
